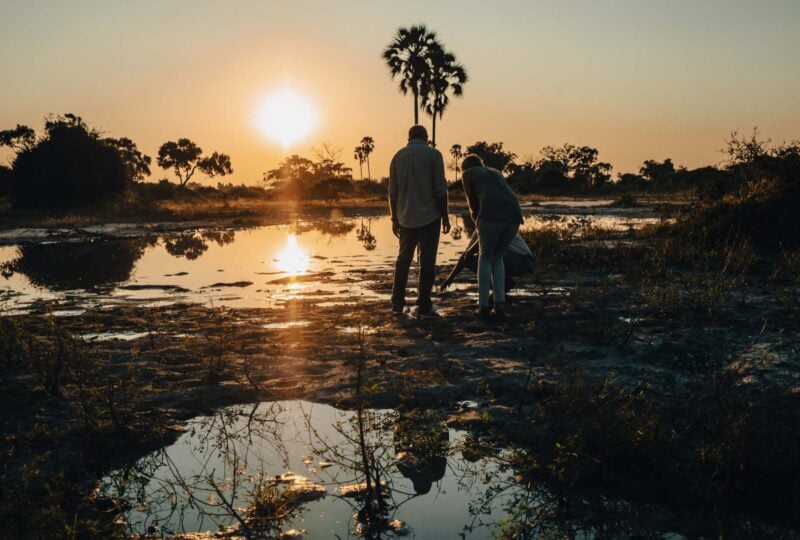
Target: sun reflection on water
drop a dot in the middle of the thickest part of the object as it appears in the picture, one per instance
(292, 259)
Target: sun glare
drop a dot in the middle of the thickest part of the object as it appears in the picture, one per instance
(286, 117)
(292, 259)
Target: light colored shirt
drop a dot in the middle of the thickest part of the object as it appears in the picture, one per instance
(416, 180)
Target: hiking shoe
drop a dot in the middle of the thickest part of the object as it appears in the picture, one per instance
(397, 310)
(500, 312)
(484, 313)
(426, 314)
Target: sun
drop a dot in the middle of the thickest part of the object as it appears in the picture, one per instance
(286, 117)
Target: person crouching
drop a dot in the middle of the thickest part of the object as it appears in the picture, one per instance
(497, 215)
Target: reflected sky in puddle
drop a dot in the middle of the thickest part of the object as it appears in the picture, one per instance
(260, 267)
(436, 481)
(211, 471)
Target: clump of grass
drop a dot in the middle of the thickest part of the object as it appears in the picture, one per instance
(716, 453)
(221, 339)
(269, 507)
(73, 409)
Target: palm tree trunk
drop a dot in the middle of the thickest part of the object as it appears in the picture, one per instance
(433, 141)
(369, 173)
(416, 107)
(361, 169)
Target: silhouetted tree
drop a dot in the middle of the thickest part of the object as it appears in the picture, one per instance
(137, 163)
(326, 178)
(20, 138)
(580, 164)
(358, 154)
(444, 74)
(328, 164)
(54, 125)
(69, 166)
(492, 154)
(631, 181)
(657, 173)
(184, 157)
(457, 154)
(408, 58)
(745, 150)
(367, 146)
(293, 167)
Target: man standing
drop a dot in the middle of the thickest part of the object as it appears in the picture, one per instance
(418, 205)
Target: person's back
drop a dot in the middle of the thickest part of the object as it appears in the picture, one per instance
(489, 196)
(418, 205)
(415, 182)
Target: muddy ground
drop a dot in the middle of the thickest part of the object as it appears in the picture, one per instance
(588, 312)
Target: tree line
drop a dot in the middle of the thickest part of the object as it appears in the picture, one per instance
(72, 163)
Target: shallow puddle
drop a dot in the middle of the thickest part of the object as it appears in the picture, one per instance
(328, 260)
(310, 454)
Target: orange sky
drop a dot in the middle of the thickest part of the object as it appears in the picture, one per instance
(637, 80)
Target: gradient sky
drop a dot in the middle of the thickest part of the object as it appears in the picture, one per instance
(636, 79)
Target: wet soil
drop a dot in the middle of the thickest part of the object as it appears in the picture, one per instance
(572, 316)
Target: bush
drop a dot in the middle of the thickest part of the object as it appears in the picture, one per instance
(757, 199)
(71, 167)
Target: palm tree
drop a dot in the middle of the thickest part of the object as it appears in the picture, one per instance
(457, 154)
(358, 154)
(445, 74)
(367, 146)
(407, 57)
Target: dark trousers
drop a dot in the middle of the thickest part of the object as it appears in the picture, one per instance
(427, 238)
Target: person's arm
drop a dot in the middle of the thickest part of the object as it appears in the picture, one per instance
(440, 192)
(459, 266)
(393, 198)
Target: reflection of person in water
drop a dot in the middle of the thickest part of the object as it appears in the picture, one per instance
(518, 261)
(421, 446)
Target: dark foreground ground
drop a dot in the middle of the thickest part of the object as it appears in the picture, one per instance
(630, 365)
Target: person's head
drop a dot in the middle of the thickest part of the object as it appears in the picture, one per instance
(471, 161)
(418, 133)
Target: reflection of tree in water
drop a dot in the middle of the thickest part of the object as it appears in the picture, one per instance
(365, 235)
(78, 265)
(355, 454)
(333, 228)
(161, 494)
(191, 245)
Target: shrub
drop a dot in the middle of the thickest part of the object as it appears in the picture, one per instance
(757, 198)
(71, 167)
